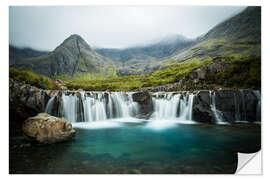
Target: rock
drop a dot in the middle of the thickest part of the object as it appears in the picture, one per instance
(25, 101)
(60, 84)
(144, 99)
(47, 129)
(201, 108)
(199, 73)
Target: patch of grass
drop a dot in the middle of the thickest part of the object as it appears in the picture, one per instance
(31, 78)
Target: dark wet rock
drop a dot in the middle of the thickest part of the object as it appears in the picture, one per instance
(47, 129)
(144, 100)
(233, 105)
(25, 101)
(201, 108)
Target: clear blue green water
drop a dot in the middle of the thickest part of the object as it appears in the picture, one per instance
(146, 148)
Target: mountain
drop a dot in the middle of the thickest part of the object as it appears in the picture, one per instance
(73, 57)
(239, 35)
(18, 54)
(143, 59)
(159, 49)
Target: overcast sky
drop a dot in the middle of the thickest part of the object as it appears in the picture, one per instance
(45, 27)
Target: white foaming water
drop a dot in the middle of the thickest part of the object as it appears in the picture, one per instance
(129, 120)
(167, 106)
(217, 113)
(173, 106)
(97, 125)
(186, 106)
(69, 107)
(123, 104)
(94, 107)
(258, 107)
(49, 106)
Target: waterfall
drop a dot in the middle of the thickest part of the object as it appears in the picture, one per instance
(217, 113)
(176, 106)
(173, 106)
(243, 105)
(94, 106)
(186, 106)
(49, 106)
(166, 107)
(69, 107)
(123, 105)
(258, 107)
(237, 108)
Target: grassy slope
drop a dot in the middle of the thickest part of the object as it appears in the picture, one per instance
(31, 78)
(240, 72)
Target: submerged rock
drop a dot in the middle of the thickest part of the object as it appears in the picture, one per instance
(47, 129)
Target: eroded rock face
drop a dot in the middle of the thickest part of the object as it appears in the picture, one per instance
(47, 129)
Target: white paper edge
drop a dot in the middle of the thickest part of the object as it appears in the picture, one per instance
(249, 164)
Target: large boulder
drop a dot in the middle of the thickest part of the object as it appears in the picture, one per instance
(47, 129)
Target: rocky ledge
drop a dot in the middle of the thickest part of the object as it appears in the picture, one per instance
(47, 129)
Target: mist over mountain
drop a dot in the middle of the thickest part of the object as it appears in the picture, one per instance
(238, 35)
(16, 54)
(159, 49)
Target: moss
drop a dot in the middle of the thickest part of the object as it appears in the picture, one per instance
(31, 78)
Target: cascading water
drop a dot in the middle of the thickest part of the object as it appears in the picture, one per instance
(100, 106)
(173, 106)
(186, 106)
(166, 107)
(243, 105)
(94, 106)
(49, 106)
(258, 107)
(69, 107)
(123, 105)
(217, 113)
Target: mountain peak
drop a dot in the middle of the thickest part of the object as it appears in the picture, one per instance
(75, 41)
(75, 36)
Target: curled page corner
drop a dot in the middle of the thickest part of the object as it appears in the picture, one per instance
(249, 163)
